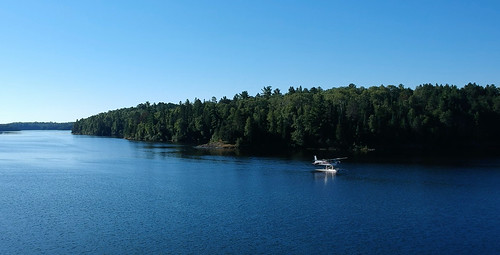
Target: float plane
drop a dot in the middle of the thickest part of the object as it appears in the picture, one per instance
(327, 163)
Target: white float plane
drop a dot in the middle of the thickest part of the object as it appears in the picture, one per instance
(327, 163)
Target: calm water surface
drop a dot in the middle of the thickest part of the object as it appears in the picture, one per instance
(65, 194)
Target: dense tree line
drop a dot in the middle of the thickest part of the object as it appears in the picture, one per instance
(430, 116)
(16, 126)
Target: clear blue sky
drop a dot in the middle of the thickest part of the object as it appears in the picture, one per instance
(65, 60)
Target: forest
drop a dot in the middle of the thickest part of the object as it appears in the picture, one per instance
(350, 118)
(16, 126)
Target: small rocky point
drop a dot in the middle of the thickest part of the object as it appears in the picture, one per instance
(217, 145)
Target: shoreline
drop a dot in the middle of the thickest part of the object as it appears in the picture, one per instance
(219, 145)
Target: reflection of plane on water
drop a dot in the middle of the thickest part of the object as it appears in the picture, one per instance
(327, 163)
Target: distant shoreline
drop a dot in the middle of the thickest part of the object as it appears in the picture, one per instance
(19, 126)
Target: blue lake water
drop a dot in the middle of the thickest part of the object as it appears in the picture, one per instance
(65, 194)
